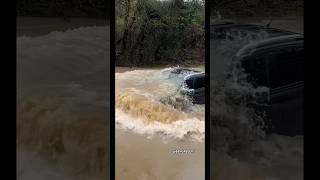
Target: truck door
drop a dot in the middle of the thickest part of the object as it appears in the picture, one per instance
(199, 89)
(286, 79)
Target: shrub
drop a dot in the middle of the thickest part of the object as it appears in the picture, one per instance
(152, 32)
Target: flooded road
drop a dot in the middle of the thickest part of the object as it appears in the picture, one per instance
(149, 129)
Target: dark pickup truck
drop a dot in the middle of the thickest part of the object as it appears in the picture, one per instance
(193, 83)
(276, 62)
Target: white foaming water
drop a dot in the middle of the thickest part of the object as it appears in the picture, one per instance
(233, 119)
(193, 128)
(141, 105)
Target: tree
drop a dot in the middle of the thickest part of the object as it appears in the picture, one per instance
(159, 32)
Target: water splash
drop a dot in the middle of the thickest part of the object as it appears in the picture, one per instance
(240, 149)
(150, 102)
(234, 119)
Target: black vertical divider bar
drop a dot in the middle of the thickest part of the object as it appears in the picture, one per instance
(207, 92)
(15, 91)
(112, 89)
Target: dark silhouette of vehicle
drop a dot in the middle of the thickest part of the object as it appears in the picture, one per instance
(276, 62)
(193, 83)
(195, 86)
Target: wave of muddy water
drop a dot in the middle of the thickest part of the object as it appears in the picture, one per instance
(63, 105)
(240, 150)
(149, 129)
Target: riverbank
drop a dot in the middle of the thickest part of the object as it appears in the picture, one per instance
(122, 69)
(38, 26)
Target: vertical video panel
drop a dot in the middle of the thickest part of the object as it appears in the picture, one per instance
(159, 89)
(63, 90)
(256, 89)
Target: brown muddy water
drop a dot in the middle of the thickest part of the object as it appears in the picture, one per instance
(141, 158)
(149, 133)
(62, 99)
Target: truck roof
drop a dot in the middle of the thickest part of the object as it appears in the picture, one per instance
(195, 75)
(270, 42)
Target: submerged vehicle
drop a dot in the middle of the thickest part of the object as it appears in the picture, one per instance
(193, 83)
(195, 86)
(274, 61)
